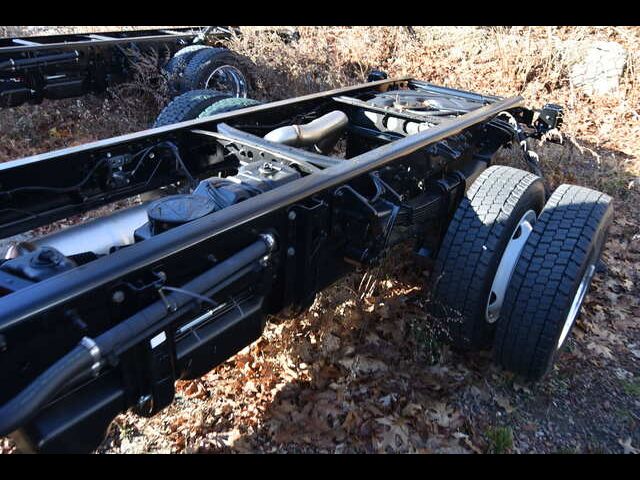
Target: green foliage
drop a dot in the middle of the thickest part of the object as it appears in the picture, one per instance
(500, 440)
(631, 387)
(427, 344)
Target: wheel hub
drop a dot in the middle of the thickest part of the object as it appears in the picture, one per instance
(507, 265)
(228, 79)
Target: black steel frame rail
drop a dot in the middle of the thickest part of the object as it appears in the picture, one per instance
(111, 144)
(81, 40)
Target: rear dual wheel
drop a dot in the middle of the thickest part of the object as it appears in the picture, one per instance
(199, 67)
(512, 279)
(216, 69)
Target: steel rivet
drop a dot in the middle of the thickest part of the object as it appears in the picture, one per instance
(118, 296)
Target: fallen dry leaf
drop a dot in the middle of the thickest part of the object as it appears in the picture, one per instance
(445, 416)
(627, 447)
(362, 364)
(504, 403)
(396, 437)
(600, 349)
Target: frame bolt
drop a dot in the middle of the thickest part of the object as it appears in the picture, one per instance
(292, 215)
(291, 251)
(118, 296)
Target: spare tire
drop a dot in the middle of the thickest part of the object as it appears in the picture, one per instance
(216, 69)
(187, 106)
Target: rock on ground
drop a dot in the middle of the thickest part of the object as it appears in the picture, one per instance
(600, 71)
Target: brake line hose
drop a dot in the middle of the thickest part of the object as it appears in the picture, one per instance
(20, 408)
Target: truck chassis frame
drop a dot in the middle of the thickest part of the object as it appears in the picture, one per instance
(63, 66)
(116, 331)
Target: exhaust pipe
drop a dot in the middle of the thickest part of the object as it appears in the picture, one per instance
(319, 132)
(99, 235)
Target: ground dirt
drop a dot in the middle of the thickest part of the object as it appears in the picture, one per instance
(361, 370)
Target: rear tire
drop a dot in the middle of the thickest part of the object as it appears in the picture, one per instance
(551, 280)
(187, 106)
(217, 69)
(483, 225)
(228, 105)
(175, 67)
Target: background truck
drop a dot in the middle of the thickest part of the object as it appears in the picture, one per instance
(63, 66)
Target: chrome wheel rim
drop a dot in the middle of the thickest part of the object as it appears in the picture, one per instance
(227, 79)
(576, 303)
(507, 265)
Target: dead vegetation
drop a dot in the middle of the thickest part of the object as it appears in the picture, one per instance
(362, 370)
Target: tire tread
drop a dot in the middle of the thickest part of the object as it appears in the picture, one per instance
(469, 252)
(546, 278)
